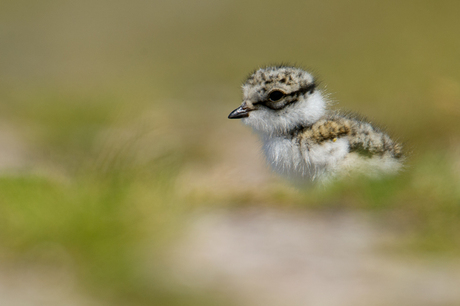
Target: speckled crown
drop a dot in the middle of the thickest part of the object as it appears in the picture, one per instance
(287, 75)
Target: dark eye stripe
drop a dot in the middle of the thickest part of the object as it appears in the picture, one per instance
(310, 89)
(291, 97)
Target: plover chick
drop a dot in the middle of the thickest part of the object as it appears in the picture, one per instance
(302, 139)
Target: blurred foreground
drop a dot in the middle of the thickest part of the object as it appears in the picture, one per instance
(123, 183)
(277, 257)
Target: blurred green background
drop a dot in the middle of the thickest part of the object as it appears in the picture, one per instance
(111, 111)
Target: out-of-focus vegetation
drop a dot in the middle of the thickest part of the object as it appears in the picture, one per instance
(113, 99)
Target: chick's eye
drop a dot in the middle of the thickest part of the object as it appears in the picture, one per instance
(275, 95)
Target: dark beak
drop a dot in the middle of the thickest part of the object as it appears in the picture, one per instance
(238, 113)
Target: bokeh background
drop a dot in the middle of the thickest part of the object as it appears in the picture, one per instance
(123, 183)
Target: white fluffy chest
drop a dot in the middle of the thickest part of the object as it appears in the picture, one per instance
(302, 161)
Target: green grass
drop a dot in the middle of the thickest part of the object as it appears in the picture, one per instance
(100, 220)
(103, 192)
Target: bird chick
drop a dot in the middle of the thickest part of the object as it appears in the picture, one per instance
(302, 139)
